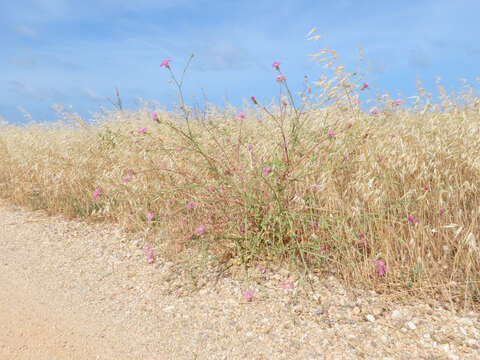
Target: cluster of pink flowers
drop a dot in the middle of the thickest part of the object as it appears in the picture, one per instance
(149, 253)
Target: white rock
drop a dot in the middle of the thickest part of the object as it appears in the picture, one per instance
(370, 317)
(396, 314)
(452, 356)
(411, 325)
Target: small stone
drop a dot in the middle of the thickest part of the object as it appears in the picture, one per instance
(411, 325)
(370, 317)
(396, 314)
(169, 308)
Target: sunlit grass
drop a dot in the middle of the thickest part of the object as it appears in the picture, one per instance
(386, 199)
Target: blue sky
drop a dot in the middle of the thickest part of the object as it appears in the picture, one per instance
(77, 52)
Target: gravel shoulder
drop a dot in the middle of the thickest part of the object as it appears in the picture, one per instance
(71, 290)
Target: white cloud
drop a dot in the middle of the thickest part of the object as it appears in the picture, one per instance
(25, 31)
(25, 61)
(43, 94)
(92, 94)
(418, 58)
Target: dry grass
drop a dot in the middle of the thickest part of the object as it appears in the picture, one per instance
(329, 189)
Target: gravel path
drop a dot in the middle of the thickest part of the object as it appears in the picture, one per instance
(69, 290)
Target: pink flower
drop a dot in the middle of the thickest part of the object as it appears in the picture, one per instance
(248, 294)
(281, 77)
(267, 170)
(191, 204)
(288, 285)
(426, 188)
(316, 187)
(141, 131)
(96, 194)
(127, 179)
(254, 100)
(374, 111)
(365, 86)
(241, 115)
(260, 120)
(276, 65)
(412, 220)
(166, 63)
(442, 211)
(147, 247)
(357, 101)
(200, 230)
(398, 102)
(362, 236)
(331, 134)
(155, 117)
(131, 131)
(260, 268)
(250, 147)
(381, 268)
(149, 253)
(242, 229)
(150, 216)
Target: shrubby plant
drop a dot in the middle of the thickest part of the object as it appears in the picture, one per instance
(385, 198)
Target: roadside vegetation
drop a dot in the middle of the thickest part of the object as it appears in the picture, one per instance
(386, 199)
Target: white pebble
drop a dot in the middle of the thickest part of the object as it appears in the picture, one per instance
(396, 314)
(370, 317)
(411, 325)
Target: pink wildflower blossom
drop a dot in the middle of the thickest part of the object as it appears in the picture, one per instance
(364, 86)
(241, 116)
(254, 100)
(398, 102)
(381, 267)
(276, 65)
(248, 294)
(150, 216)
(141, 131)
(96, 194)
(200, 230)
(267, 170)
(281, 77)
(191, 204)
(288, 285)
(166, 63)
(412, 220)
